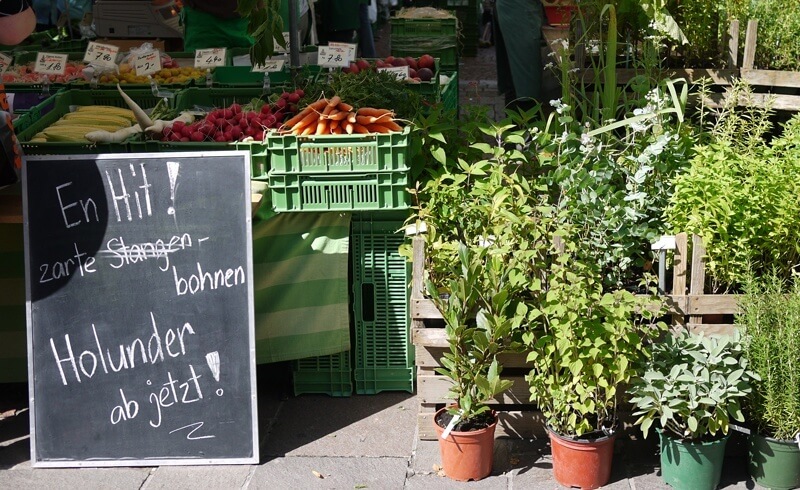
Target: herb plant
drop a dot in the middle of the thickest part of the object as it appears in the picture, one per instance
(482, 289)
(770, 316)
(693, 386)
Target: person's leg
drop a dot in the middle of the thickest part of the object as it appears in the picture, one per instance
(523, 18)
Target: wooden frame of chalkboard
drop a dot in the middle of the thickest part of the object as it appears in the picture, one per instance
(139, 283)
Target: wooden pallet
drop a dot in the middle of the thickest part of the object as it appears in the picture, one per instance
(687, 304)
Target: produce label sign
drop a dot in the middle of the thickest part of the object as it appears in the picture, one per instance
(5, 62)
(139, 293)
(209, 58)
(51, 63)
(101, 54)
(401, 72)
(351, 49)
(269, 66)
(333, 56)
(279, 48)
(148, 63)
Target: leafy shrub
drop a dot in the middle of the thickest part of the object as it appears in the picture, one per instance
(770, 316)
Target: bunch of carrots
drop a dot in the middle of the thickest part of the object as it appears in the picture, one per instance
(332, 116)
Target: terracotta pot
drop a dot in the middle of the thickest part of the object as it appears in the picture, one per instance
(466, 455)
(581, 463)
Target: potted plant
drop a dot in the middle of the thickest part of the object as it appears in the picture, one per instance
(585, 346)
(770, 316)
(480, 323)
(693, 386)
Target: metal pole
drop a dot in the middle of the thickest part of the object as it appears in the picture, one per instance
(294, 38)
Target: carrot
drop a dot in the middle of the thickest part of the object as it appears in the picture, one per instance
(327, 110)
(358, 128)
(308, 130)
(297, 117)
(335, 101)
(336, 130)
(345, 107)
(338, 116)
(310, 118)
(393, 126)
(318, 105)
(348, 128)
(364, 120)
(371, 111)
(378, 128)
(322, 126)
(351, 118)
(334, 124)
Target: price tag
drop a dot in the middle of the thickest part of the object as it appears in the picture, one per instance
(269, 66)
(101, 54)
(50, 63)
(279, 48)
(209, 58)
(5, 62)
(148, 63)
(333, 56)
(401, 72)
(351, 50)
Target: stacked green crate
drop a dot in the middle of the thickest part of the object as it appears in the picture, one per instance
(449, 91)
(436, 37)
(384, 355)
(329, 375)
(469, 20)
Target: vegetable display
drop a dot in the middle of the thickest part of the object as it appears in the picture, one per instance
(332, 116)
(74, 126)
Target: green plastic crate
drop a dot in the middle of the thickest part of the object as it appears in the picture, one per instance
(330, 375)
(211, 98)
(243, 77)
(61, 106)
(339, 192)
(356, 153)
(258, 151)
(449, 95)
(436, 37)
(384, 354)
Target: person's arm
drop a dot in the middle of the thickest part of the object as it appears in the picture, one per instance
(17, 21)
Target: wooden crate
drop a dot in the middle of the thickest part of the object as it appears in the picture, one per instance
(687, 304)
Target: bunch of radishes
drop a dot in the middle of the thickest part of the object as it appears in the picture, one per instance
(235, 124)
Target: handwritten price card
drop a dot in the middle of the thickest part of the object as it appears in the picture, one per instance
(401, 72)
(148, 63)
(209, 58)
(5, 62)
(333, 56)
(101, 54)
(50, 63)
(351, 49)
(279, 48)
(270, 66)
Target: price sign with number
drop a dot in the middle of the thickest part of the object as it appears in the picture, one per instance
(5, 62)
(269, 66)
(401, 72)
(279, 48)
(209, 58)
(332, 56)
(50, 63)
(148, 63)
(101, 54)
(351, 49)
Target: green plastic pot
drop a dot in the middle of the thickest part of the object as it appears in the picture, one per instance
(691, 465)
(774, 463)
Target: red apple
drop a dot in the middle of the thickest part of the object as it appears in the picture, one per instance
(410, 61)
(426, 61)
(362, 64)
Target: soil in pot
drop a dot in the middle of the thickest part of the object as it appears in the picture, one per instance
(584, 462)
(466, 454)
(687, 465)
(774, 463)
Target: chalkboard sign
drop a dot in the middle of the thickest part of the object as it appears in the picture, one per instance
(140, 309)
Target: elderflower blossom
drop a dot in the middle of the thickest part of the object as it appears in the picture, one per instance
(559, 106)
